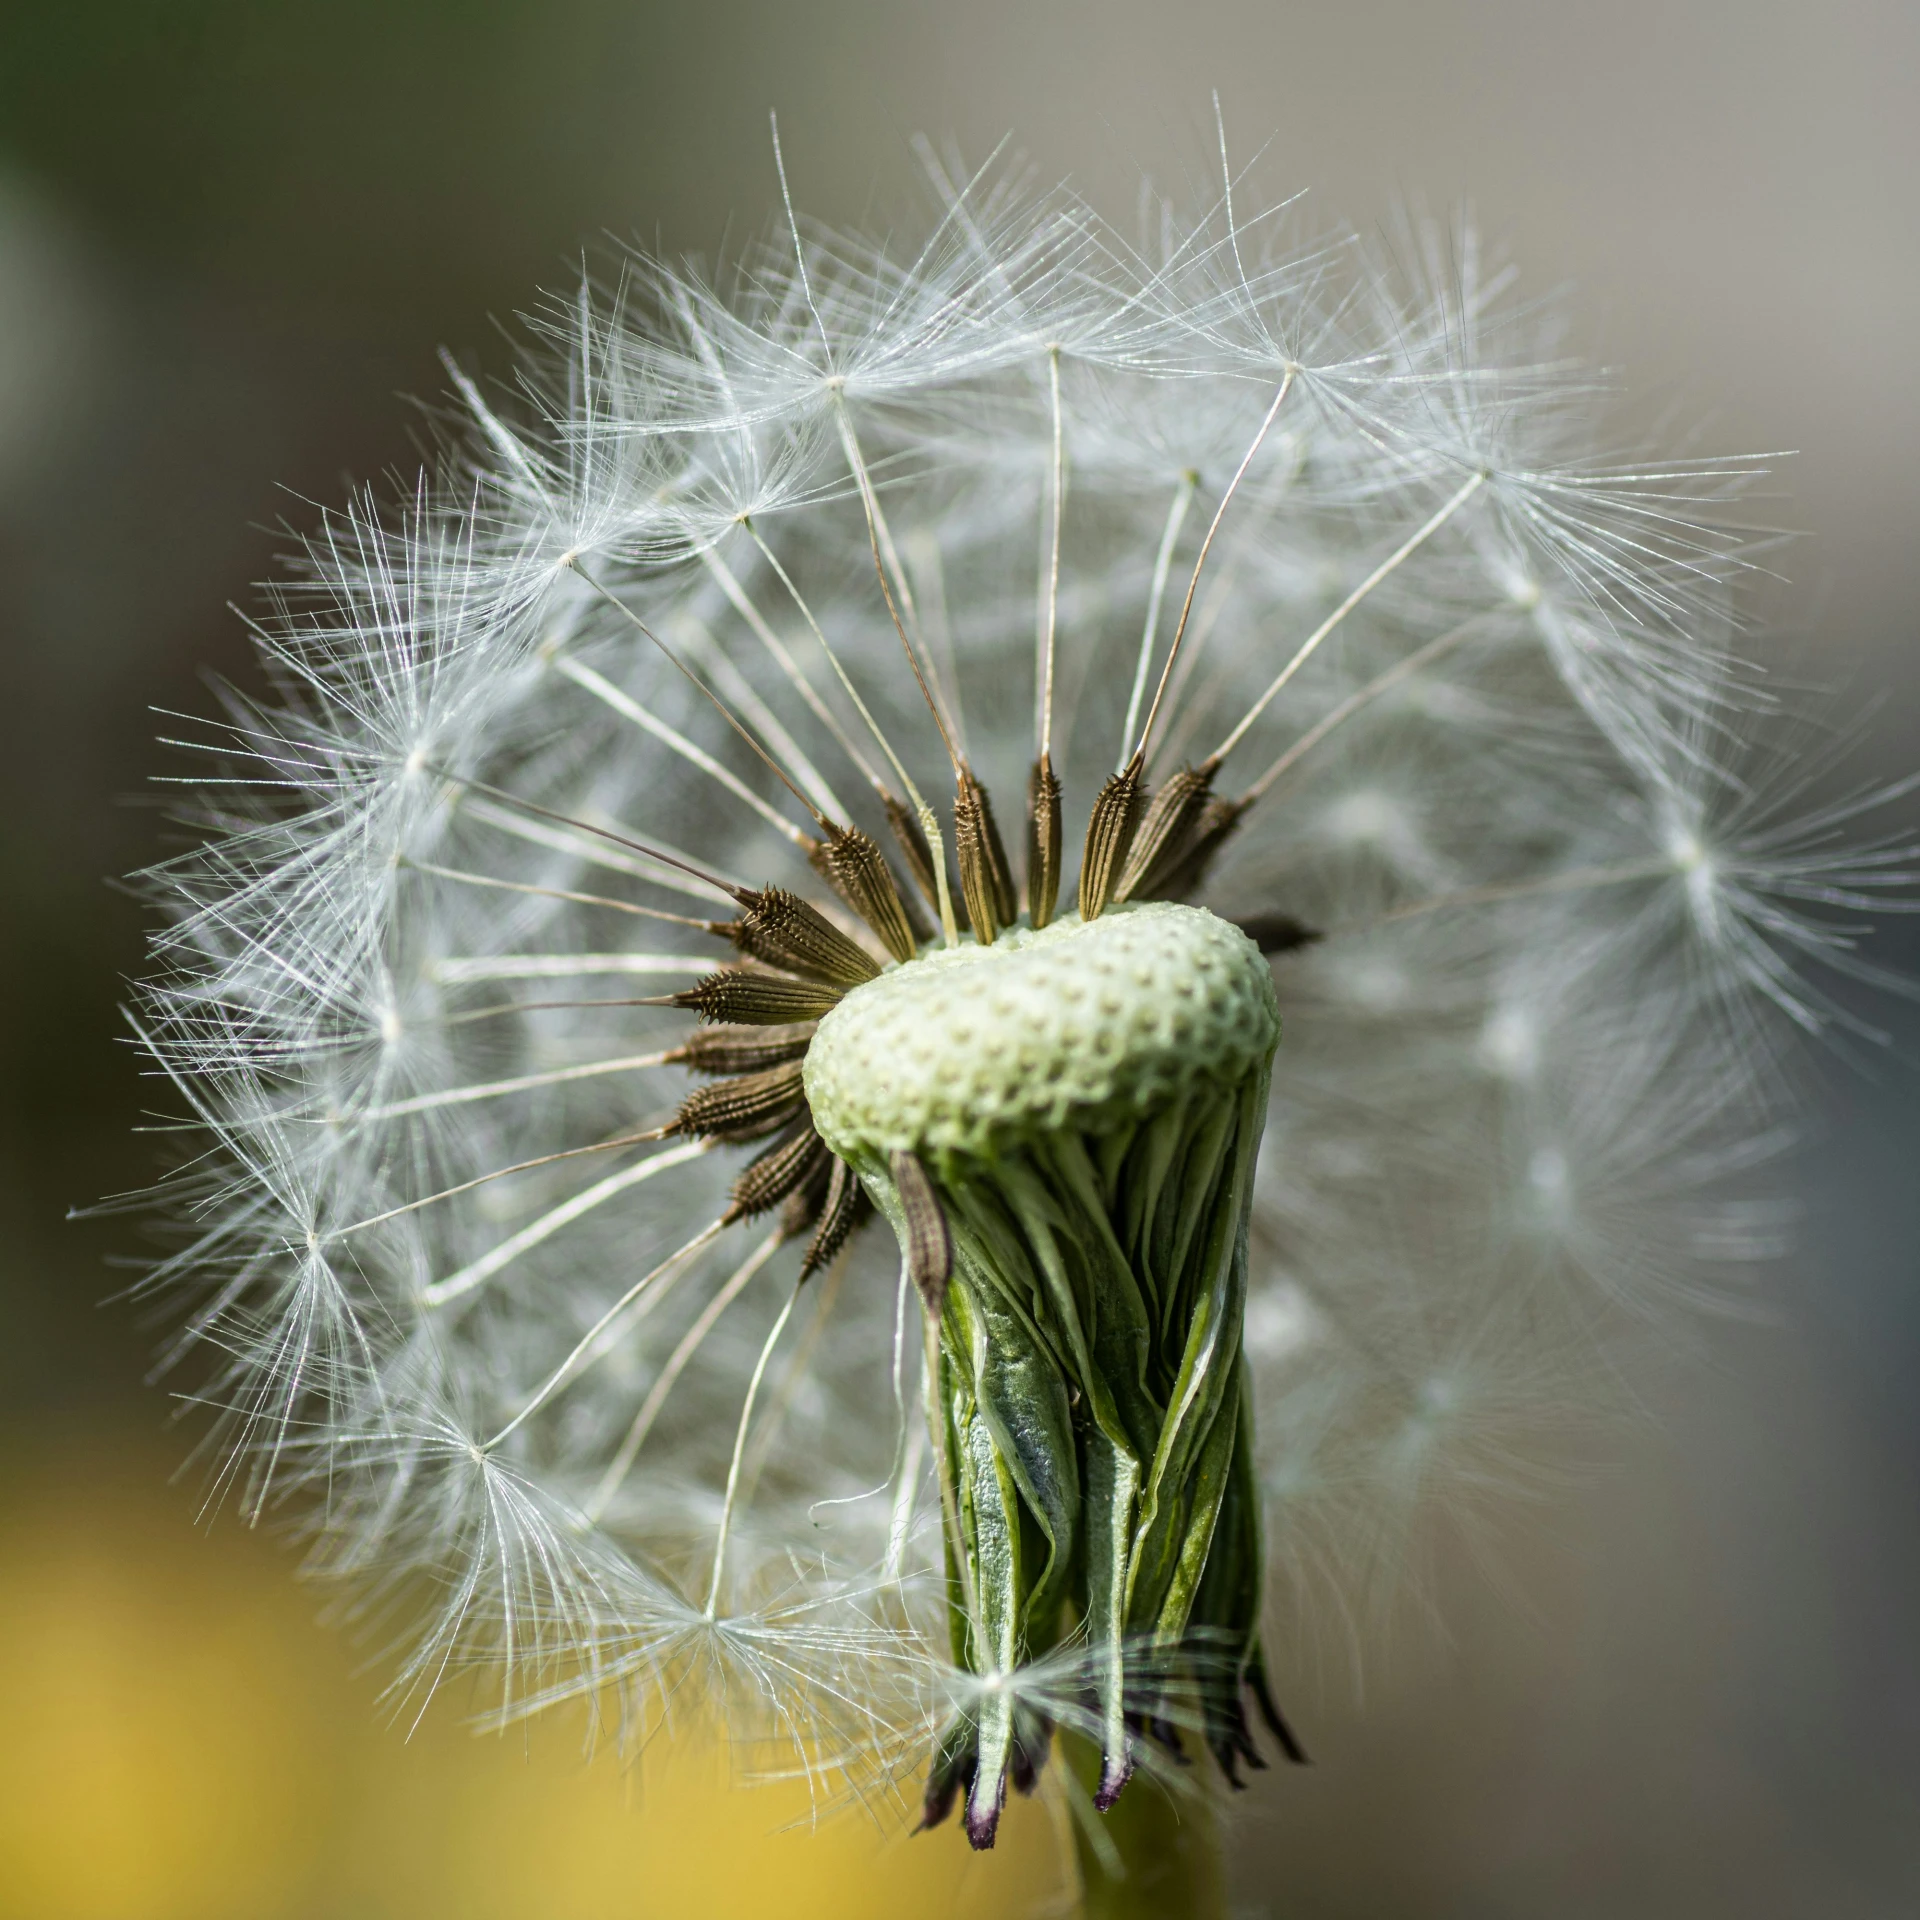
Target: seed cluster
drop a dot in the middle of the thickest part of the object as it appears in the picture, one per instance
(1092, 1407)
(710, 590)
(800, 966)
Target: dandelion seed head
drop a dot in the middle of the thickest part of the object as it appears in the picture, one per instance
(878, 795)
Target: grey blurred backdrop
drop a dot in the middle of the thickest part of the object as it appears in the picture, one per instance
(232, 235)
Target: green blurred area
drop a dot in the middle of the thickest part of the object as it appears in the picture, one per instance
(404, 165)
(232, 236)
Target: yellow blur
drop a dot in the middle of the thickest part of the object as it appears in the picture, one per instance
(182, 1742)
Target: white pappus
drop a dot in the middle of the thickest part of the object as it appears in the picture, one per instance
(1297, 570)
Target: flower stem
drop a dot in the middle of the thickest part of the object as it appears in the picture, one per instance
(1154, 1856)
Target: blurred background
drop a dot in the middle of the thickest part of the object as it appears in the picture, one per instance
(233, 233)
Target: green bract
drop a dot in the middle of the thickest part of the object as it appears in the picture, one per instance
(1083, 1106)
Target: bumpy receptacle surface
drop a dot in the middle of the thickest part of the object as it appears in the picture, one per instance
(972, 1049)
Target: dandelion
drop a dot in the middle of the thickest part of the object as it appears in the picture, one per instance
(953, 960)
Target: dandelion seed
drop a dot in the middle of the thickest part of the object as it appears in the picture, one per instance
(1278, 1170)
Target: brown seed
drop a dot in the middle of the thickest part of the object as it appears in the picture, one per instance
(857, 870)
(1110, 831)
(929, 1242)
(846, 1209)
(1277, 932)
(737, 997)
(1166, 833)
(1000, 868)
(1215, 826)
(912, 842)
(804, 1204)
(748, 1108)
(726, 1050)
(1043, 842)
(972, 828)
(798, 1156)
(781, 929)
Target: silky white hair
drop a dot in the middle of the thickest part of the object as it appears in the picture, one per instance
(495, 1356)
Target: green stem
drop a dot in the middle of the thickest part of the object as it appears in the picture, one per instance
(1161, 1857)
